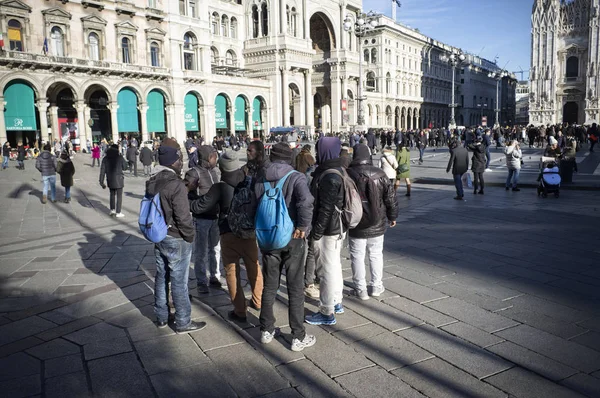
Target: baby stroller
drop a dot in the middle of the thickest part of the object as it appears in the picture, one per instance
(549, 178)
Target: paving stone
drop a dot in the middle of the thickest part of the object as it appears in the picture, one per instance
(57, 317)
(246, 371)
(46, 282)
(310, 381)
(22, 387)
(472, 314)
(533, 361)
(438, 379)
(481, 300)
(139, 316)
(472, 334)
(63, 365)
(278, 351)
(522, 383)
(18, 365)
(146, 332)
(411, 290)
(420, 311)
(53, 349)
(584, 384)
(550, 308)
(24, 328)
(359, 333)
(593, 324)
(167, 353)
(376, 382)
(391, 351)
(216, 334)
(201, 379)
(543, 322)
(95, 333)
(382, 314)
(566, 352)
(68, 328)
(70, 385)
(119, 376)
(349, 319)
(422, 278)
(460, 353)
(589, 339)
(105, 348)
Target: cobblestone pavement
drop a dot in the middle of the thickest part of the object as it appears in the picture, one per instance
(493, 296)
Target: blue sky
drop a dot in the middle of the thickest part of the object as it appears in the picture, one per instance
(490, 28)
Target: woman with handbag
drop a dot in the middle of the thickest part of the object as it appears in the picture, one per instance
(403, 170)
(389, 164)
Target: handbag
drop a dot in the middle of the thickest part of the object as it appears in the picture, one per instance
(403, 168)
(466, 180)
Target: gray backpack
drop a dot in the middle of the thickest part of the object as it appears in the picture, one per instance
(352, 211)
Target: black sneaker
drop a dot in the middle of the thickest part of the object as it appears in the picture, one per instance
(252, 305)
(191, 327)
(235, 317)
(516, 189)
(161, 325)
(214, 282)
(507, 188)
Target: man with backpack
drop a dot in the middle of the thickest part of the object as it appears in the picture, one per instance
(328, 230)
(281, 238)
(379, 209)
(173, 253)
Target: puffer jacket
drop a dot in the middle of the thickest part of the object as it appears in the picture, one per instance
(112, 167)
(202, 177)
(513, 157)
(146, 156)
(298, 198)
(329, 194)
(384, 194)
(479, 160)
(66, 170)
(46, 164)
(174, 202)
(132, 154)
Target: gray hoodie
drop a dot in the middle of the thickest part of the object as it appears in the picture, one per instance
(513, 157)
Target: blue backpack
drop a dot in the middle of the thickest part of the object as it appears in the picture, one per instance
(274, 227)
(152, 220)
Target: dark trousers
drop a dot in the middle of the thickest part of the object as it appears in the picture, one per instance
(478, 181)
(94, 161)
(290, 259)
(310, 271)
(488, 157)
(458, 184)
(119, 196)
(132, 166)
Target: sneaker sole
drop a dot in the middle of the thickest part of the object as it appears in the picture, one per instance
(298, 349)
(321, 323)
(190, 331)
(339, 311)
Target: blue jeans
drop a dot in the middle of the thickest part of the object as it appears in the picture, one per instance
(49, 181)
(172, 265)
(207, 250)
(5, 162)
(513, 177)
(421, 152)
(67, 192)
(458, 185)
(488, 157)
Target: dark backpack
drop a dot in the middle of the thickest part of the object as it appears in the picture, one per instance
(240, 215)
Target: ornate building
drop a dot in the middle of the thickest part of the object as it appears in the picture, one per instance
(564, 60)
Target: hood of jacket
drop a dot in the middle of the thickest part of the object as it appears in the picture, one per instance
(204, 152)
(45, 155)
(233, 178)
(112, 153)
(274, 171)
(160, 177)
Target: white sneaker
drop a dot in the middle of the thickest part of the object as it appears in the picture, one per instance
(112, 213)
(308, 341)
(120, 215)
(377, 291)
(312, 291)
(266, 337)
(361, 294)
(488, 170)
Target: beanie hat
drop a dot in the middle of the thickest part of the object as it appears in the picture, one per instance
(361, 152)
(281, 151)
(553, 141)
(205, 151)
(168, 152)
(227, 163)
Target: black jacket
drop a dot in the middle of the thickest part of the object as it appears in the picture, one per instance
(459, 161)
(174, 202)
(20, 153)
(131, 154)
(329, 194)
(373, 225)
(46, 163)
(371, 140)
(422, 141)
(479, 160)
(146, 156)
(66, 170)
(112, 168)
(5, 150)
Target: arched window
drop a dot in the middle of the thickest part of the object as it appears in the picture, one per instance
(14, 35)
(288, 16)
(215, 24)
(294, 22)
(94, 47)
(371, 83)
(126, 50)
(367, 55)
(374, 56)
(388, 83)
(154, 54)
(230, 58)
(265, 19)
(189, 56)
(224, 25)
(233, 28)
(56, 38)
(572, 68)
(254, 21)
(214, 56)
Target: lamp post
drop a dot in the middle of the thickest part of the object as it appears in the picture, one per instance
(498, 75)
(481, 107)
(454, 59)
(363, 24)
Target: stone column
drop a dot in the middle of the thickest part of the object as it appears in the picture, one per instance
(209, 129)
(56, 133)
(282, 17)
(306, 20)
(285, 97)
(114, 124)
(343, 35)
(143, 108)
(88, 116)
(309, 102)
(42, 106)
(3, 136)
(232, 119)
(82, 126)
(336, 88)
(345, 97)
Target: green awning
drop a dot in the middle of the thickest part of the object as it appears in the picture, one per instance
(256, 120)
(127, 114)
(155, 115)
(20, 107)
(220, 112)
(240, 114)
(191, 112)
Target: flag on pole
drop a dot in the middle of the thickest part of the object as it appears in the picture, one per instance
(398, 3)
(45, 46)
(1, 41)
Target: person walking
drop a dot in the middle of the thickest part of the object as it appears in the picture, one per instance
(380, 209)
(21, 156)
(389, 164)
(57, 148)
(513, 162)
(66, 170)
(478, 162)
(132, 153)
(96, 155)
(403, 169)
(371, 140)
(421, 145)
(46, 164)
(146, 159)
(111, 169)
(5, 155)
(459, 164)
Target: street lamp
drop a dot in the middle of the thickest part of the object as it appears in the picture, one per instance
(454, 59)
(363, 24)
(481, 107)
(498, 75)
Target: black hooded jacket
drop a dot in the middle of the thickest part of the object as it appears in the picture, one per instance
(174, 202)
(200, 179)
(328, 192)
(479, 160)
(112, 168)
